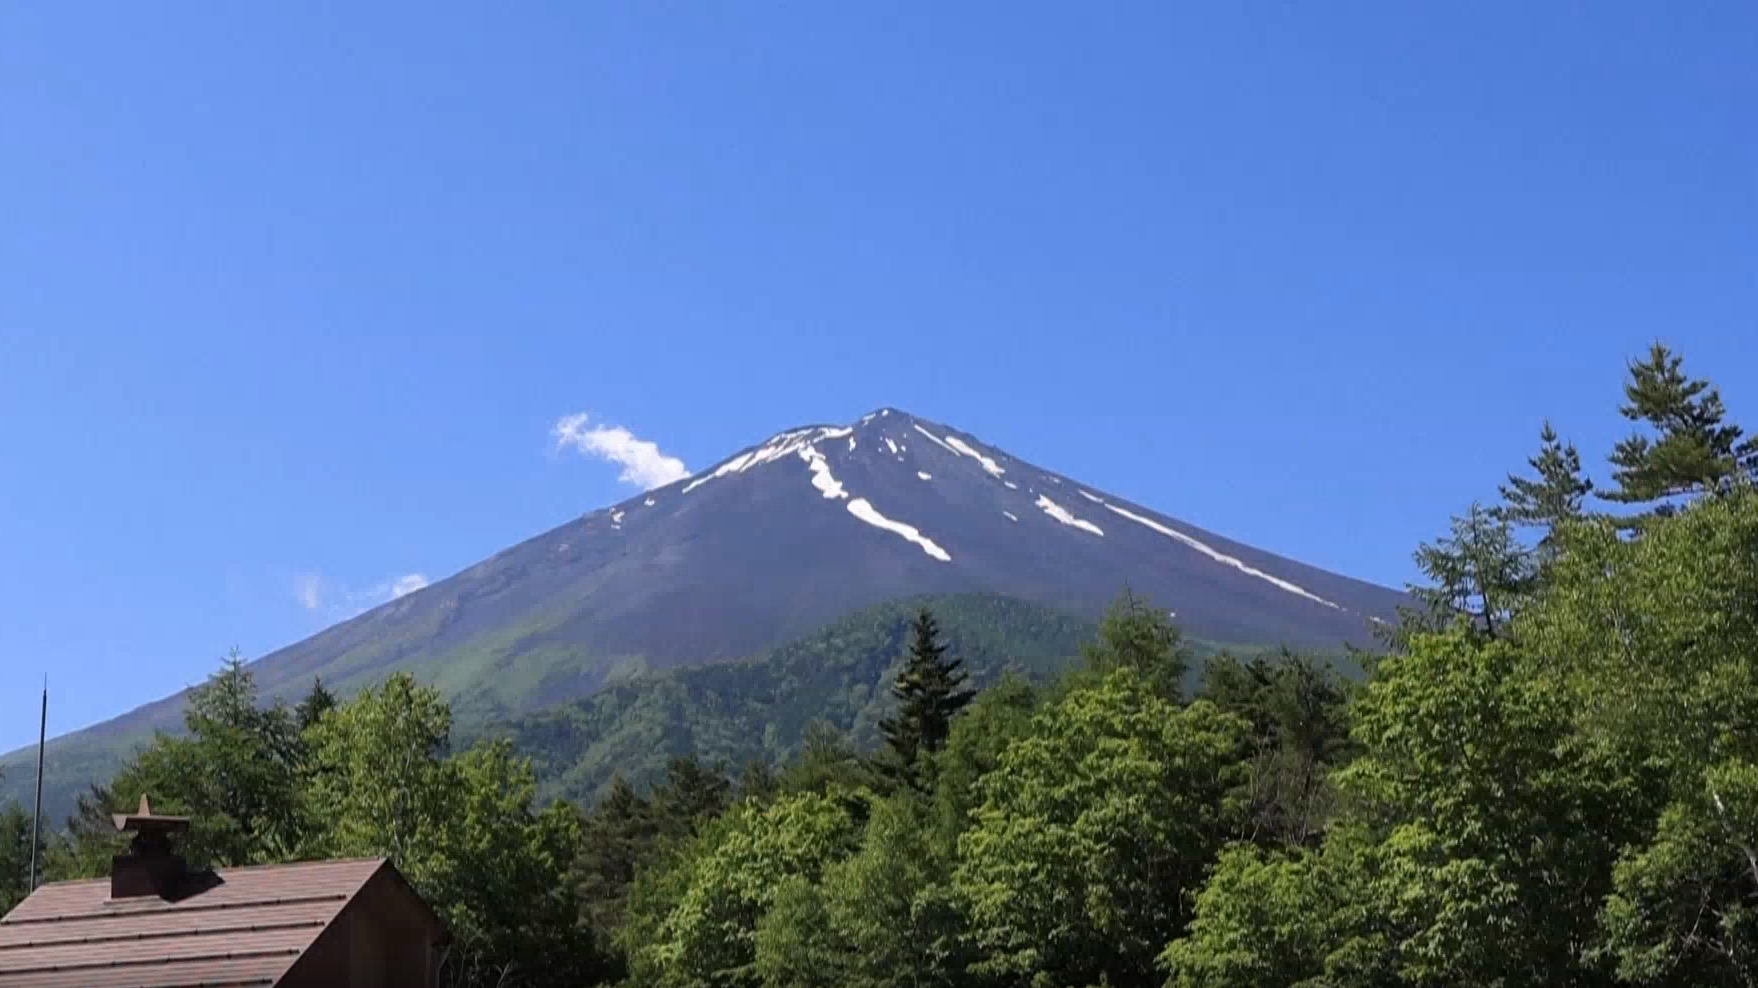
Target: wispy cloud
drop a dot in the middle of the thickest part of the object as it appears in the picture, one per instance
(642, 462)
(317, 594)
(308, 589)
(407, 584)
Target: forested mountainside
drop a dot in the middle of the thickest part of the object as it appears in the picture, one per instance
(737, 713)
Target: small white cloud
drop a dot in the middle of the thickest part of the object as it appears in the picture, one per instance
(337, 603)
(405, 585)
(642, 462)
(309, 589)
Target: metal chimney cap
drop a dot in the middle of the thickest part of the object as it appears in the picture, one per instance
(144, 821)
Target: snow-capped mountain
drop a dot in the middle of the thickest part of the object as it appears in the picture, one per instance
(781, 538)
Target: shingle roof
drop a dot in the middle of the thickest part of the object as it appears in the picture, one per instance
(247, 929)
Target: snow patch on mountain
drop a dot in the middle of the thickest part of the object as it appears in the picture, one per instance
(1223, 558)
(891, 445)
(830, 487)
(822, 479)
(936, 439)
(961, 446)
(776, 448)
(1010, 485)
(1066, 517)
(1092, 497)
(867, 513)
(616, 518)
(1011, 516)
(650, 502)
(924, 475)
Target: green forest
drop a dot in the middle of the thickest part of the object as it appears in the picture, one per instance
(1545, 774)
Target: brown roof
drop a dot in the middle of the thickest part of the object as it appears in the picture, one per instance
(246, 929)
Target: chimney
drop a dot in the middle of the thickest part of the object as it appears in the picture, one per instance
(150, 867)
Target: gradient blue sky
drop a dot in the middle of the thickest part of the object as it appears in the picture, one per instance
(291, 295)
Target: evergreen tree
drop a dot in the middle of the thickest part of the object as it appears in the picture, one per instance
(1552, 498)
(1480, 574)
(929, 694)
(1693, 451)
(690, 792)
(316, 703)
(615, 838)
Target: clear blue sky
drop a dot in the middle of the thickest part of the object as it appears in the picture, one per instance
(292, 295)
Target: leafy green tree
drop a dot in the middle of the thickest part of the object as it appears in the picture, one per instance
(1000, 715)
(1496, 826)
(1298, 710)
(882, 918)
(709, 936)
(1134, 634)
(465, 830)
(1553, 498)
(1658, 637)
(1692, 450)
(758, 782)
(828, 762)
(1093, 831)
(234, 771)
(15, 855)
(1305, 918)
(929, 694)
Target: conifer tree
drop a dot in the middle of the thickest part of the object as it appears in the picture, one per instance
(1553, 497)
(1693, 451)
(1480, 573)
(929, 694)
(316, 703)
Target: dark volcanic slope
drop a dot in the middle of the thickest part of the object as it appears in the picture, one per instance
(778, 540)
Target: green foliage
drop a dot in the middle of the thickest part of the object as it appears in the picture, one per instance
(760, 711)
(15, 855)
(929, 693)
(1298, 711)
(708, 934)
(1555, 497)
(1657, 638)
(1093, 830)
(233, 772)
(1480, 575)
(878, 919)
(1134, 634)
(319, 701)
(465, 830)
(1287, 919)
(1691, 449)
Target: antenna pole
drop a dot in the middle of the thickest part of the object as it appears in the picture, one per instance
(37, 817)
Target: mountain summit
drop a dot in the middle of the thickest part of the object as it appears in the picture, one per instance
(777, 540)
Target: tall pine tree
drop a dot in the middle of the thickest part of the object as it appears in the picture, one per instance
(929, 694)
(1693, 451)
(1554, 497)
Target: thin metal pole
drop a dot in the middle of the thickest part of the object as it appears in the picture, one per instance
(37, 817)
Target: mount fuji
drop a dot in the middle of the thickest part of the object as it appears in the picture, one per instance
(771, 543)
